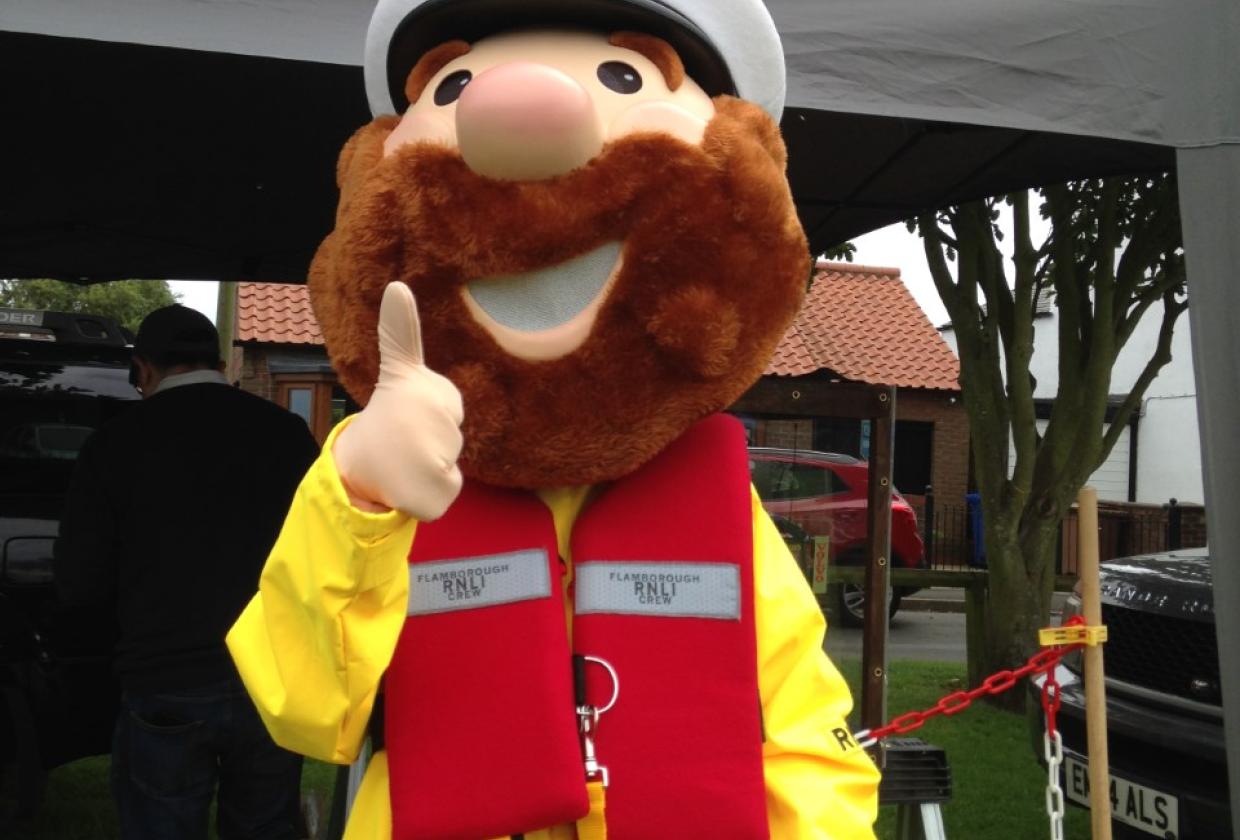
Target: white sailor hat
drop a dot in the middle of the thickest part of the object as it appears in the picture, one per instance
(727, 46)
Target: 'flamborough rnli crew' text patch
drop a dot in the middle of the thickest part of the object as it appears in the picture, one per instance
(676, 590)
(472, 582)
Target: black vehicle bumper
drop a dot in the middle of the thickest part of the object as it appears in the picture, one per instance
(1177, 753)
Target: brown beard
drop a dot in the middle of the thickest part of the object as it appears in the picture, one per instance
(713, 270)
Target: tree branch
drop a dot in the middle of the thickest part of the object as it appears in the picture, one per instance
(1159, 234)
(1172, 309)
(980, 379)
(933, 239)
(1171, 278)
(1066, 283)
(1100, 347)
(1019, 347)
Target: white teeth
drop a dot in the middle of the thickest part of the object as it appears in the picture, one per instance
(547, 297)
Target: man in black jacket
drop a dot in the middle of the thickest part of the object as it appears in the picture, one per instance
(169, 518)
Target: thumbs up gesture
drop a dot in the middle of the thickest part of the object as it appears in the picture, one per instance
(400, 451)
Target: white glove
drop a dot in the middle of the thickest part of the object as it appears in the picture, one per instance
(400, 451)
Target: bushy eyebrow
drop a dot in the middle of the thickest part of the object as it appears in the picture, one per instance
(431, 62)
(662, 54)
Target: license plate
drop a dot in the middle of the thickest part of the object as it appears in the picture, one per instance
(1141, 807)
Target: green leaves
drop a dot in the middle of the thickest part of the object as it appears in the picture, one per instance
(126, 301)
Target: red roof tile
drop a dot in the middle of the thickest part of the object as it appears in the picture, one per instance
(276, 313)
(858, 321)
(861, 323)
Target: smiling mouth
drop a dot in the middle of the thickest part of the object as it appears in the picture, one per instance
(546, 313)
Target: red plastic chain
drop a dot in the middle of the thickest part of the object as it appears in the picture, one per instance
(1050, 688)
(1042, 662)
(1050, 701)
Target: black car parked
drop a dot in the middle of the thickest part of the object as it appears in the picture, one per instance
(61, 375)
(1164, 704)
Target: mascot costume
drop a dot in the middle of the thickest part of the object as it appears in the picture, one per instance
(532, 570)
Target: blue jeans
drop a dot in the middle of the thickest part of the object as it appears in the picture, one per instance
(169, 751)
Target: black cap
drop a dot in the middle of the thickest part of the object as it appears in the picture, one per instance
(177, 331)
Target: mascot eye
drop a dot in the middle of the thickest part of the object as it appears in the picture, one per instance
(450, 88)
(619, 77)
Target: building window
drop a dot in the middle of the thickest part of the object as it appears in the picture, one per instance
(301, 403)
(342, 404)
(913, 458)
(316, 399)
(842, 435)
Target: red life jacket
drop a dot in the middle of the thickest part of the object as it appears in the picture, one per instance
(480, 728)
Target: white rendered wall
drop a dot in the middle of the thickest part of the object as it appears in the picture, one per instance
(1169, 451)
(1168, 444)
(1110, 479)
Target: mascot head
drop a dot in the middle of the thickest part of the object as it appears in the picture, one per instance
(588, 201)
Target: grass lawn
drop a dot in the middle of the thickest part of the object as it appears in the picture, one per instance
(998, 787)
(997, 783)
(78, 804)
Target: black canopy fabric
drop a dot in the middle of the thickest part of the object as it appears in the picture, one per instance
(196, 139)
(853, 173)
(143, 161)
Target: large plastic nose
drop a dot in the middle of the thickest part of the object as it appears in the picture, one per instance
(523, 121)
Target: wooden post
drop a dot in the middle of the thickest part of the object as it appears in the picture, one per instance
(975, 629)
(1095, 685)
(878, 564)
(816, 397)
(226, 324)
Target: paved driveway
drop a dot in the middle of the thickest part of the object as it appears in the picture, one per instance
(922, 636)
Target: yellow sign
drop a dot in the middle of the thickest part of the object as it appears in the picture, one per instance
(818, 576)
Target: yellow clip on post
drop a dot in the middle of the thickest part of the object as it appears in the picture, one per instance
(1075, 634)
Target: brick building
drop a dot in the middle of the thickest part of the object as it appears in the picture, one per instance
(858, 324)
(861, 324)
(278, 354)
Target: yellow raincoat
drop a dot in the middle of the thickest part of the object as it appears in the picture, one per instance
(314, 642)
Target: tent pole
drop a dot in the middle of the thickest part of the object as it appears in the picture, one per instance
(1209, 183)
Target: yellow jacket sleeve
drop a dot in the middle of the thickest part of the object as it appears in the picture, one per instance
(819, 784)
(312, 645)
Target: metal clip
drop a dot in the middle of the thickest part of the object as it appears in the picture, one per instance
(587, 717)
(587, 723)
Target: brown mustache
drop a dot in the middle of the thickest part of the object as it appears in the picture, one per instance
(505, 226)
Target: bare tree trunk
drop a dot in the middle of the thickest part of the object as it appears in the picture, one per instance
(1022, 572)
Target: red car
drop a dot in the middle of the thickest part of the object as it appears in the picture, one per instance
(814, 494)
